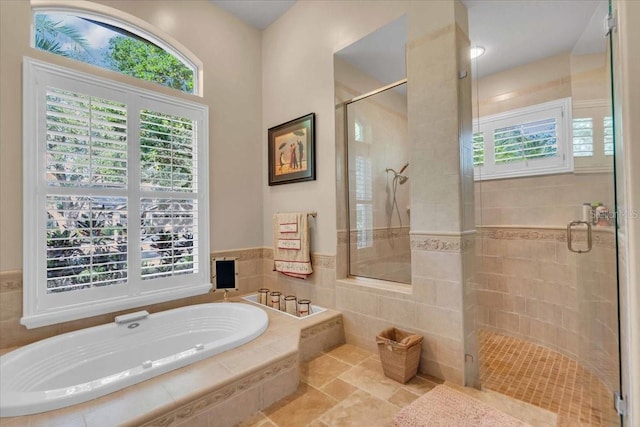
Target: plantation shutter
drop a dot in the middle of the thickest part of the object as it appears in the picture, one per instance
(116, 203)
(86, 148)
(524, 142)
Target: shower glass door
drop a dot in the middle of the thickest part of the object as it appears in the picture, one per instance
(547, 311)
(379, 185)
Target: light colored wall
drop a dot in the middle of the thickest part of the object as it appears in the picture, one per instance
(298, 79)
(298, 75)
(550, 200)
(231, 57)
(533, 83)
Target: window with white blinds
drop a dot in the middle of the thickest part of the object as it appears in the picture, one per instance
(583, 137)
(530, 141)
(592, 136)
(607, 124)
(115, 196)
(364, 203)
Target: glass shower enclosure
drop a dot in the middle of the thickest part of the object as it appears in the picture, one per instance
(379, 184)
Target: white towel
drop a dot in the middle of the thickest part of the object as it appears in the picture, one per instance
(291, 244)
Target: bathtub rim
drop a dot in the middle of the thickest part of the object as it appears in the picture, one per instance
(21, 403)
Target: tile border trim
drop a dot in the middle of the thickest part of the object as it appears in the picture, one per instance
(256, 379)
(601, 237)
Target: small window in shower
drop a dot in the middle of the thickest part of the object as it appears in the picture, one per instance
(583, 137)
(358, 132)
(607, 123)
(364, 210)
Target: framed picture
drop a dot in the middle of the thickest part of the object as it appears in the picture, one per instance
(292, 151)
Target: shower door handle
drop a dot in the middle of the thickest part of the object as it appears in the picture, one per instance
(570, 241)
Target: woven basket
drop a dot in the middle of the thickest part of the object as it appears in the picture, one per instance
(399, 353)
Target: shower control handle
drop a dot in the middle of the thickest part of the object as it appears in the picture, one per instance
(570, 240)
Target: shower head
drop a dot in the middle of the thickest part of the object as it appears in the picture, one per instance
(402, 179)
(398, 173)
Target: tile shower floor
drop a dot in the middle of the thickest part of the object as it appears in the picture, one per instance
(545, 378)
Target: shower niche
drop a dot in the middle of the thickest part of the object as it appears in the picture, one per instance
(372, 100)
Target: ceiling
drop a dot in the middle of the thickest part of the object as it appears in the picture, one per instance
(513, 32)
(518, 32)
(257, 13)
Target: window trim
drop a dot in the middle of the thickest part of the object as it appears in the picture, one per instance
(129, 23)
(599, 162)
(562, 164)
(36, 310)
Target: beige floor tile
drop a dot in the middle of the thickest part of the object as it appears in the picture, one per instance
(318, 423)
(338, 389)
(360, 409)
(349, 354)
(373, 382)
(403, 397)
(299, 409)
(322, 370)
(419, 385)
(373, 363)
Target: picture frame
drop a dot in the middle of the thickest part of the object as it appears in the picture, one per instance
(292, 154)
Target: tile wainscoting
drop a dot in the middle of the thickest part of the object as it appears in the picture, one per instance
(13, 334)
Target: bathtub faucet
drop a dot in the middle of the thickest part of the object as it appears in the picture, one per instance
(131, 317)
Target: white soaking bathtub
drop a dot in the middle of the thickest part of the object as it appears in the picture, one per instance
(79, 366)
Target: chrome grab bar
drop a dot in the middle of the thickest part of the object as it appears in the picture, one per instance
(569, 239)
(131, 317)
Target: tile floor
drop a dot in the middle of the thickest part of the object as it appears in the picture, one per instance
(342, 387)
(346, 387)
(545, 378)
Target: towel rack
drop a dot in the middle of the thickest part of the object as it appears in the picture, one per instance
(312, 213)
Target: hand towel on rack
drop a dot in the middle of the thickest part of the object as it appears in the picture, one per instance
(291, 244)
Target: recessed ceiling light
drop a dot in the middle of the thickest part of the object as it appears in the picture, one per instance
(476, 51)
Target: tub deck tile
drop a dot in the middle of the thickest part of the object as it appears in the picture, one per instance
(217, 390)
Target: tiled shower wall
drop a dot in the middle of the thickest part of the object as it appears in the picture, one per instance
(388, 257)
(529, 285)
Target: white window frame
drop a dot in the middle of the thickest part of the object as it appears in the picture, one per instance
(41, 308)
(133, 25)
(597, 110)
(559, 109)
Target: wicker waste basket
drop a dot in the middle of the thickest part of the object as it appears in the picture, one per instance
(399, 353)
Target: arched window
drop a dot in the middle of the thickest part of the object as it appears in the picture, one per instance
(116, 175)
(107, 43)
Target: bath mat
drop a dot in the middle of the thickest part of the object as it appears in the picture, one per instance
(446, 407)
